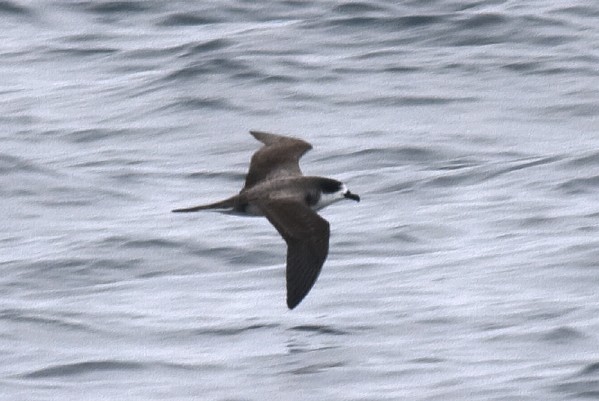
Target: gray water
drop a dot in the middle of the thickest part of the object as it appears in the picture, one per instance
(469, 271)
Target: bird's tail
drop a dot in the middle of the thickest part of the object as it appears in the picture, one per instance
(224, 204)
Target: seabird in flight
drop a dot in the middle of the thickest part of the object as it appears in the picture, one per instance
(276, 188)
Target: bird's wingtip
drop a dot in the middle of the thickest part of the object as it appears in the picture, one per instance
(291, 305)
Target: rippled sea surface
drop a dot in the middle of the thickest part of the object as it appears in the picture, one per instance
(469, 271)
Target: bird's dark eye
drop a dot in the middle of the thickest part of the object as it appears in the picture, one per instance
(329, 186)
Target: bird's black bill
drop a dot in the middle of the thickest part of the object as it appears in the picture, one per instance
(351, 196)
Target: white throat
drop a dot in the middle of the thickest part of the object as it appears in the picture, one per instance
(327, 198)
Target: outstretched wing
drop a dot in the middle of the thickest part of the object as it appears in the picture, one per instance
(278, 158)
(307, 237)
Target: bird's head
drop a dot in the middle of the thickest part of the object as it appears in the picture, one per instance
(332, 191)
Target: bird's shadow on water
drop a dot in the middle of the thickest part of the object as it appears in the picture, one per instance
(314, 348)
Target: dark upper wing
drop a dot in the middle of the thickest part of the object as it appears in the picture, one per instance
(278, 158)
(307, 237)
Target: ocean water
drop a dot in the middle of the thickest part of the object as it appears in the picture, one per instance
(469, 271)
